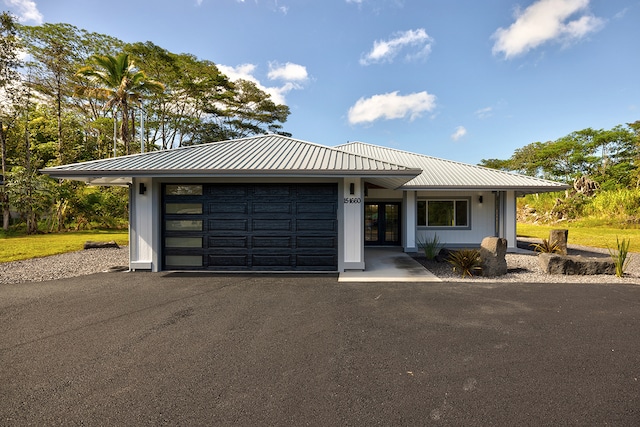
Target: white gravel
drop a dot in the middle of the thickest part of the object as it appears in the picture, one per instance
(71, 264)
(523, 267)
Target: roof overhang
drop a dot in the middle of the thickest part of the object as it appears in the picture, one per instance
(386, 179)
(519, 190)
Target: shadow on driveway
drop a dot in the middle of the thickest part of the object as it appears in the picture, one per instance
(149, 349)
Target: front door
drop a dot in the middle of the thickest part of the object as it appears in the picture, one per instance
(382, 223)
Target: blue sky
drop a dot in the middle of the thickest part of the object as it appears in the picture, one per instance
(459, 79)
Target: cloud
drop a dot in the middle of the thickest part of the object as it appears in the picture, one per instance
(287, 72)
(544, 21)
(386, 50)
(459, 133)
(483, 113)
(391, 106)
(291, 75)
(25, 10)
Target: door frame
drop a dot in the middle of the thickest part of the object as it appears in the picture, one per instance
(381, 220)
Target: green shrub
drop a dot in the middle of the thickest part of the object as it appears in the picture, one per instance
(620, 256)
(466, 262)
(431, 247)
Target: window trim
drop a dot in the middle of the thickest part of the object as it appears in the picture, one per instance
(426, 226)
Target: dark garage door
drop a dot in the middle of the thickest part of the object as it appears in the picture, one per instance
(250, 227)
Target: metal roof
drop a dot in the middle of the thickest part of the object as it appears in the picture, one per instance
(280, 156)
(439, 174)
(271, 155)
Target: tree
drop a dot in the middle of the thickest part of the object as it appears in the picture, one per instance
(120, 84)
(11, 91)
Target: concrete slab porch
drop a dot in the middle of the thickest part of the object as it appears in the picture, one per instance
(389, 264)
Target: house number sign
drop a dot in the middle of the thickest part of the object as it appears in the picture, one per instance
(352, 200)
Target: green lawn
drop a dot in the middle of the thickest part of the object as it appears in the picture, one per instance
(599, 237)
(15, 248)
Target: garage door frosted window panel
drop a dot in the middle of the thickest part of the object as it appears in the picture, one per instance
(443, 213)
(183, 226)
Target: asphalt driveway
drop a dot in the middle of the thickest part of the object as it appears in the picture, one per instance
(153, 349)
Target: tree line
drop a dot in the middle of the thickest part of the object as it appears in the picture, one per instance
(68, 95)
(608, 157)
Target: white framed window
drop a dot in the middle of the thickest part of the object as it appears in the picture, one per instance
(444, 213)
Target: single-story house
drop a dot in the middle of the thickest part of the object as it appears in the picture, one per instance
(274, 203)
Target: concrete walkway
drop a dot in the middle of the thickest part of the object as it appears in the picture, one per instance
(389, 265)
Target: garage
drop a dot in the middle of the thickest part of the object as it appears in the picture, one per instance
(250, 227)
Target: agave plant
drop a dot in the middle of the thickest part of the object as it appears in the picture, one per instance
(466, 262)
(548, 247)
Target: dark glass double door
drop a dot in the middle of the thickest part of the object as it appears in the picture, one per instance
(382, 223)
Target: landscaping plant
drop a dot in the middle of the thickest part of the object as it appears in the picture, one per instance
(547, 247)
(431, 247)
(466, 262)
(620, 257)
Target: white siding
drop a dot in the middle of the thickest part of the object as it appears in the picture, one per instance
(141, 226)
(353, 227)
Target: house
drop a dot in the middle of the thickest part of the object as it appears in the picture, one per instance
(274, 203)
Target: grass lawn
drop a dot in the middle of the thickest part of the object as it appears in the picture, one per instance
(599, 237)
(16, 248)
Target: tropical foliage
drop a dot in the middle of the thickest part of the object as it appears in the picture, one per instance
(84, 96)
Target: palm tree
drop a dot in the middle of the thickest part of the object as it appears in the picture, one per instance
(119, 83)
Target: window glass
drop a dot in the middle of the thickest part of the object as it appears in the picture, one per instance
(183, 242)
(422, 213)
(183, 225)
(443, 213)
(184, 208)
(184, 260)
(183, 190)
(461, 213)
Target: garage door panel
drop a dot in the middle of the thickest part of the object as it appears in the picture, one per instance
(228, 224)
(235, 262)
(274, 191)
(230, 191)
(271, 242)
(316, 242)
(281, 261)
(271, 225)
(316, 225)
(228, 208)
(316, 209)
(227, 242)
(244, 227)
(271, 208)
(319, 261)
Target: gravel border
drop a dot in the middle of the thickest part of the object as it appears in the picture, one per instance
(71, 264)
(522, 267)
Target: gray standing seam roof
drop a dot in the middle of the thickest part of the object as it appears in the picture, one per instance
(440, 174)
(267, 154)
(276, 155)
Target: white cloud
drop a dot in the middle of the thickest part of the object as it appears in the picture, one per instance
(386, 50)
(25, 10)
(544, 21)
(291, 75)
(287, 72)
(391, 106)
(355, 1)
(459, 133)
(483, 113)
